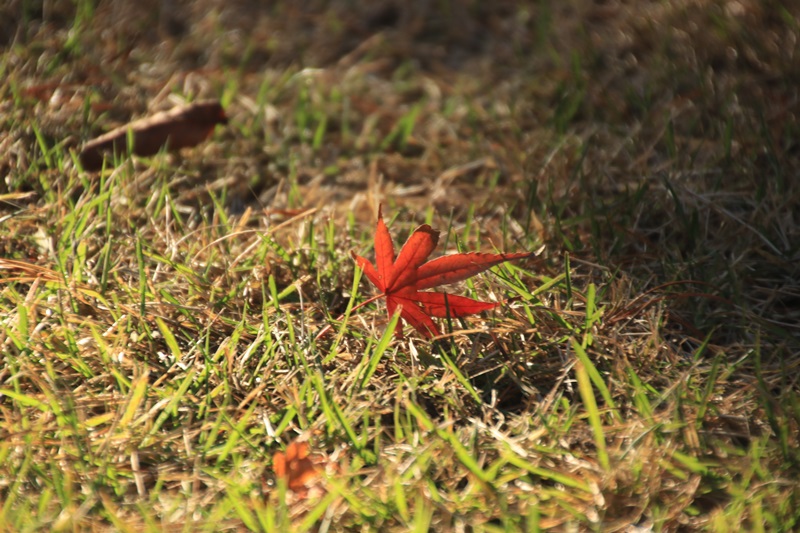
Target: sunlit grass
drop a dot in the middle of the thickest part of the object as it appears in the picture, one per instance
(160, 321)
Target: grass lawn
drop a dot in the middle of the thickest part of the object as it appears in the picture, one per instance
(160, 347)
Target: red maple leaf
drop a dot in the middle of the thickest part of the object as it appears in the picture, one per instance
(401, 280)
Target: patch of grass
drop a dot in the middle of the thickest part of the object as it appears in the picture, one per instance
(159, 320)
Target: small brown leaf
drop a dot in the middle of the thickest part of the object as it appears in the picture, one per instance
(181, 127)
(295, 466)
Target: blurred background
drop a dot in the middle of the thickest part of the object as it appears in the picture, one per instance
(661, 136)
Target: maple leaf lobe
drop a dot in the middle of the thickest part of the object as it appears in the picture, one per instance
(413, 254)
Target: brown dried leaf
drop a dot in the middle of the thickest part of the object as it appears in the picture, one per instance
(296, 466)
(181, 127)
